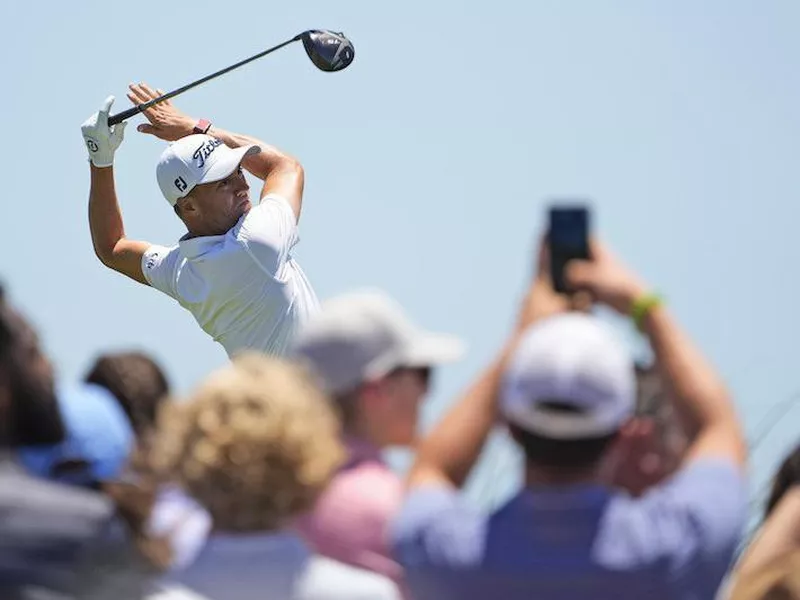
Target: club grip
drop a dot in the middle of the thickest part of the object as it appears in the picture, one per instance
(125, 114)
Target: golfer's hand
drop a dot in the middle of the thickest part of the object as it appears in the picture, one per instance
(101, 140)
(606, 279)
(166, 121)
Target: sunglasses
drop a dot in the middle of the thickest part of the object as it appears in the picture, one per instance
(424, 373)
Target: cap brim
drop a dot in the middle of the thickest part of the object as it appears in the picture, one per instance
(229, 162)
(431, 349)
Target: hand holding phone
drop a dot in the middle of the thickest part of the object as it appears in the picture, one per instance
(568, 239)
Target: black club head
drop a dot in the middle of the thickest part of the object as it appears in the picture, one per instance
(328, 50)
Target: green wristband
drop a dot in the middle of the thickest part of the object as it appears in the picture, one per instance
(642, 306)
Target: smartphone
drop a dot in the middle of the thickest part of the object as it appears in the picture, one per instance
(568, 239)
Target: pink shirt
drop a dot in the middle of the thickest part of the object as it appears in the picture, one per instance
(350, 521)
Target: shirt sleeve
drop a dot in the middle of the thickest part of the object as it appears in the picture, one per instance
(269, 232)
(705, 506)
(437, 526)
(158, 265)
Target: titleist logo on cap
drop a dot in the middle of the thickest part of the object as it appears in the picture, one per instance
(204, 150)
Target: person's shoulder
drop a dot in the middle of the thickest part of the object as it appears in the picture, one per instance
(272, 210)
(700, 510)
(329, 579)
(439, 525)
(36, 495)
(374, 484)
(701, 480)
(51, 514)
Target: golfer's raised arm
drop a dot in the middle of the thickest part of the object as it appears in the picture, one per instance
(105, 218)
(282, 175)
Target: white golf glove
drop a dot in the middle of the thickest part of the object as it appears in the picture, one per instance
(101, 140)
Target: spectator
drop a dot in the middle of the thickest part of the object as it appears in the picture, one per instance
(566, 386)
(256, 444)
(171, 531)
(137, 382)
(377, 366)
(50, 533)
(98, 439)
(778, 539)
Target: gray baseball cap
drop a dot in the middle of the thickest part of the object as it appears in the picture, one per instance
(362, 336)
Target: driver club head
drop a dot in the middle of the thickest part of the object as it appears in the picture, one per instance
(328, 50)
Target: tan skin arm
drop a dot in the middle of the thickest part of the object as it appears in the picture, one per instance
(108, 233)
(700, 396)
(281, 174)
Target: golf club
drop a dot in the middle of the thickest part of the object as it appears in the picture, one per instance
(328, 50)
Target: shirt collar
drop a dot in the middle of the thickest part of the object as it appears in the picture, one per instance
(565, 496)
(195, 247)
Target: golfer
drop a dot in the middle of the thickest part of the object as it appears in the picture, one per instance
(234, 269)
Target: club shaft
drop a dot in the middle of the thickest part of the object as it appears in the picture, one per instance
(127, 114)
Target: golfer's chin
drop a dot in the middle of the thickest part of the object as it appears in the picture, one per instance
(243, 207)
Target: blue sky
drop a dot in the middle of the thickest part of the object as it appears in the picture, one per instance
(430, 161)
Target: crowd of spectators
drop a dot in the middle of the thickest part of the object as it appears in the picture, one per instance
(268, 479)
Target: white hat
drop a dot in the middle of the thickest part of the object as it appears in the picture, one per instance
(364, 335)
(572, 360)
(197, 159)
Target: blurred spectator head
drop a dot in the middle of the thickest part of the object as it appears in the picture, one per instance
(255, 444)
(97, 444)
(568, 390)
(136, 381)
(29, 412)
(654, 445)
(374, 362)
(788, 475)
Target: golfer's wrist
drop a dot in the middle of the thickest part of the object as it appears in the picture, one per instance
(201, 126)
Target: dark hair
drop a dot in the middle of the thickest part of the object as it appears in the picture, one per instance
(788, 475)
(136, 381)
(33, 417)
(561, 455)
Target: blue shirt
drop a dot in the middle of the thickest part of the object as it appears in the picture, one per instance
(584, 541)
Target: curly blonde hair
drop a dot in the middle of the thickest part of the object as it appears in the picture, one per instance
(255, 443)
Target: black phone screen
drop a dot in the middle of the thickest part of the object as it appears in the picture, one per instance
(568, 239)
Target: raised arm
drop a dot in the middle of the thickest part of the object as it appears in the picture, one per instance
(282, 175)
(701, 398)
(105, 218)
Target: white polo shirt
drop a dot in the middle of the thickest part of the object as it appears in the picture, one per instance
(244, 288)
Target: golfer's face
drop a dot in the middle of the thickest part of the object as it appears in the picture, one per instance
(223, 202)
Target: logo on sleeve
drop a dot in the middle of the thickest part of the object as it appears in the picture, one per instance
(151, 260)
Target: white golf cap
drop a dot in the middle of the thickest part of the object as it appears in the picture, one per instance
(197, 159)
(364, 335)
(571, 360)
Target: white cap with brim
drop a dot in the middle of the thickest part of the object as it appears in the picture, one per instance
(194, 160)
(569, 378)
(363, 336)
